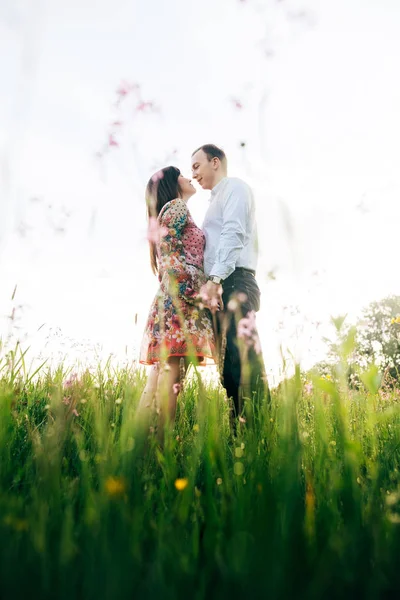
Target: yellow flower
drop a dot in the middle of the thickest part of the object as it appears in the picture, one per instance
(180, 484)
(21, 525)
(395, 320)
(115, 486)
(196, 428)
(16, 523)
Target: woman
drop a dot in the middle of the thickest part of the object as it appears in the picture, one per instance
(176, 327)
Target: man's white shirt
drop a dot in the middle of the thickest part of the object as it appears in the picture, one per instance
(230, 229)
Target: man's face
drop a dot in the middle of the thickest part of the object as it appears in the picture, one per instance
(204, 170)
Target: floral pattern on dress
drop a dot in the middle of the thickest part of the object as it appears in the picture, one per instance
(176, 325)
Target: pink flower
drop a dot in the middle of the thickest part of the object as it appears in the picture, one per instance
(237, 104)
(308, 388)
(66, 400)
(72, 379)
(243, 331)
(247, 331)
(125, 88)
(154, 231)
(157, 176)
(112, 141)
(247, 325)
(176, 388)
(142, 106)
(75, 412)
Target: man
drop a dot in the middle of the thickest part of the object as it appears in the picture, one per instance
(230, 261)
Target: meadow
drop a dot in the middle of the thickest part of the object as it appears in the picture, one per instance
(302, 502)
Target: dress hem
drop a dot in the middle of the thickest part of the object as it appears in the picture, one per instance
(205, 357)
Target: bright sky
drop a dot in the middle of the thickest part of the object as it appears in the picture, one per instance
(311, 88)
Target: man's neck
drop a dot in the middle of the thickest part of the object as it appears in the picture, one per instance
(219, 179)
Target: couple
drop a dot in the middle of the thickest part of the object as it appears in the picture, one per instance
(213, 266)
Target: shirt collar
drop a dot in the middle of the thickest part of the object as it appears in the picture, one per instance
(218, 187)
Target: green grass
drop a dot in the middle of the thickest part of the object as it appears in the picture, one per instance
(303, 504)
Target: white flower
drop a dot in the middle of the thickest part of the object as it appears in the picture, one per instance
(179, 336)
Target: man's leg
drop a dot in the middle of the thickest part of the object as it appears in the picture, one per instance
(231, 372)
(242, 380)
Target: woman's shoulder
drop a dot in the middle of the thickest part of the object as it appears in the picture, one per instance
(177, 206)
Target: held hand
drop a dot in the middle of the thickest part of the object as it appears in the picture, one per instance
(211, 296)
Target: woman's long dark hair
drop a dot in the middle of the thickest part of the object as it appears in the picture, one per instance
(162, 187)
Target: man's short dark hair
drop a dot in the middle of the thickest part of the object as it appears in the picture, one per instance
(212, 151)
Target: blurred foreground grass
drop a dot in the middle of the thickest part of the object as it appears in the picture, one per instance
(303, 504)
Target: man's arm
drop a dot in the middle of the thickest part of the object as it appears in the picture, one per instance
(235, 219)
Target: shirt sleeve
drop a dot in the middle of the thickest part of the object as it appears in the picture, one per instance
(175, 277)
(235, 220)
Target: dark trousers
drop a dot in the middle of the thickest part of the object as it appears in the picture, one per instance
(241, 295)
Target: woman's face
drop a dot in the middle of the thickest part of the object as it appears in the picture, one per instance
(187, 187)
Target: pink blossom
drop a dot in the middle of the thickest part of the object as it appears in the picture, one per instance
(142, 106)
(237, 104)
(308, 388)
(247, 331)
(154, 231)
(157, 176)
(247, 325)
(125, 88)
(112, 141)
(75, 412)
(176, 388)
(71, 380)
(243, 330)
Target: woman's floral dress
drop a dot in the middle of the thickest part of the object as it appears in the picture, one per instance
(176, 326)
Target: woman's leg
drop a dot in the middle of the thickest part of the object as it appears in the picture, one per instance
(147, 399)
(167, 393)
